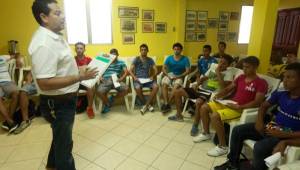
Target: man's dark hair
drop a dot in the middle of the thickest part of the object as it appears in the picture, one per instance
(80, 43)
(144, 46)
(178, 45)
(223, 43)
(114, 51)
(294, 67)
(228, 58)
(207, 47)
(252, 60)
(41, 6)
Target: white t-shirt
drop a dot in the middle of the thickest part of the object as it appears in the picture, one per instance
(52, 57)
(4, 74)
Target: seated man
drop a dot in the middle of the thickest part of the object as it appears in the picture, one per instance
(82, 62)
(221, 52)
(249, 91)
(141, 68)
(175, 68)
(7, 89)
(274, 136)
(106, 84)
(215, 76)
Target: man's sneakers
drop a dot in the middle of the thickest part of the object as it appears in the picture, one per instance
(23, 126)
(145, 109)
(201, 137)
(105, 109)
(165, 108)
(151, 108)
(218, 151)
(194, 130)
(226, 166)
(175, 118)
(10, 127)
(90, 112)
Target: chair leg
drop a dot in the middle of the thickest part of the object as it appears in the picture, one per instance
(158, 101)
(133, 101)
(185, 106)
(127, 103)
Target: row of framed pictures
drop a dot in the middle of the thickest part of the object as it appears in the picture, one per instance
(133, 12)
(202, 36)
(129, 26)
(202, 26)
(203, 15)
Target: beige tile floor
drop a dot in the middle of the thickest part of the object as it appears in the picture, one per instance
(118, 140)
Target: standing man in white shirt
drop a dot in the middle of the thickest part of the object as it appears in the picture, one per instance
(56, 75)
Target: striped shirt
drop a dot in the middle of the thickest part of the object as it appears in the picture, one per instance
(116, 67)
(4, 75)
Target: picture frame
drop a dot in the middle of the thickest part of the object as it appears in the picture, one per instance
(191, 15)
(231, 36)
(147, 27)
(201, 36)
(212, 23)
(190, 36)
(128, 38)
(221, 36)
(148, 15)
(128, 12)
(160, 27)
(128, 25)
(223, 26)
(190, 25)
(234, 15)
(202, 15)
(201, 26)
(224, 16)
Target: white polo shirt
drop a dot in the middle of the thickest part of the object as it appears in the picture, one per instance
(52, 57)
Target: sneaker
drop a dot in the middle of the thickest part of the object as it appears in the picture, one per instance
(111, 100)
(218, 151)
(9, 127)
(175, 118)
(225, 166)
(90, 112)
(194, 130)
(105, 109)
(163, 107)
(167, 108)
(201, 137)
(22, 126)
(151, 108)
(143, 110)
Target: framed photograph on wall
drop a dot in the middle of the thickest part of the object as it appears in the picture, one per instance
(224, 16)
(128, 12)
(190, 36)
(201, 36)
(234, 16)
(190, 25)
(128, 25)
(160, 27)
(212, 23)
(223, 26)
(231, 36)
(148, 15)
(147, 27)
(202, 26)
(202, 15)
(221, 36)
(191, 15)
(128, 38)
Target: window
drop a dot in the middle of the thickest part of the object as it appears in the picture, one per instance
(245, 24)
(89, 21)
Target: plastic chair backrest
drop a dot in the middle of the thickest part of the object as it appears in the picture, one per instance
(273, 83)
(11, 64)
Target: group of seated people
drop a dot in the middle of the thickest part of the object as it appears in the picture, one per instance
(213, 75)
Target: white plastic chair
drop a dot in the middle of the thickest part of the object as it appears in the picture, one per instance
(145, 90)
(11, 64)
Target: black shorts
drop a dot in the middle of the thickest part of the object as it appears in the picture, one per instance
(193, 94)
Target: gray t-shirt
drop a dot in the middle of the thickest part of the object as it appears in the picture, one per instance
(4, 75)
(142, 68)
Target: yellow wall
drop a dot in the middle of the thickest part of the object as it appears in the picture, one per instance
(283, 4)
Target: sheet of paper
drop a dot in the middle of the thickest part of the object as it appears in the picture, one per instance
(144, 80)
(101, 63)
(225, 102)
(115, 78)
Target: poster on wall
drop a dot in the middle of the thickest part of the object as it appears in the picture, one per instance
(224, 16)
(223, 26)
(128, 25)
(212, 23)
(202, 15)
(147, 27)
(202, 26)
(221, 36)
(190, 36)
(190, 26)
(128, 38)
(160, 27)
(128, 12)
(231, 36)
(201, 36)
(148, 15)
(191, 15)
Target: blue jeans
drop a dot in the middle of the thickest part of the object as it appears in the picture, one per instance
(62, 120)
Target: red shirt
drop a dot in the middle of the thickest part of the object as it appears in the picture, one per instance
(246, 91)
(83, 61)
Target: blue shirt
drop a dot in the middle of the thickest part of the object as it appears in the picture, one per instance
(288, 112)
(177, 67)
(116, 67)
(142, 69)
(204, 64)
